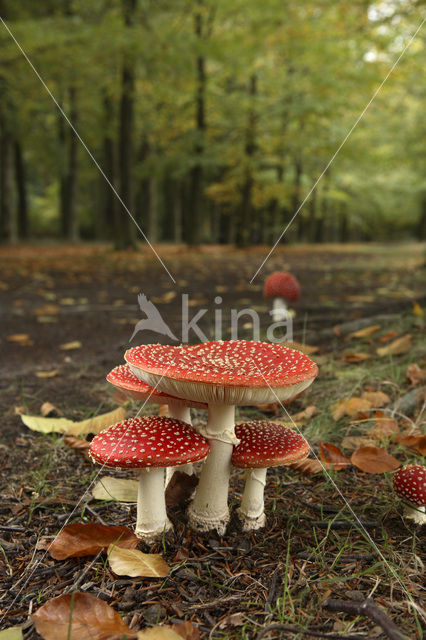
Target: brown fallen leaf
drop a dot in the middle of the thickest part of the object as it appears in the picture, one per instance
(180, 489)
(307, 349)
(355, 358)
(308, 466)
(160, 632)
(79, 616)
(386, 427)
(187, 630)
(135, 564)
(82, 446)
(354, 442)
(364, 333)
(397, 347)
(23, 339)
(376, 398)
(332, 457)
(353, 407)
(415, 375)
(388, 336)
(307, 413)
(47, 408)
(47, 310)
(374, 460)
(271, 408)
(80, 539)
(414, 441)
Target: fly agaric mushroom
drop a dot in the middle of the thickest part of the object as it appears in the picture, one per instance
(263, 444)
(223, 374)
(281, 287)
(151, 444)
(409, 483)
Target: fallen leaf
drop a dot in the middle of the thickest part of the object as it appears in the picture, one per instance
(374, 460)
(415, 375)
(47, 310)
(23, 339)
(397, 347)
(353, 407)
(354, 442)
(159, 633)
(307, 349)
(307, 413)
(187, 630)
(385, 426)
(356, 357)
(364, 333)
(135, 564)
(388, 336)
(163, 410)
(308, 466)
(87, 539)
(69, 346)
(271, 408)
(376, 398)
(47, 374)
(13, 633)
(79, 616)
(417, 442)
(119, 489)
(180, 488)
(97, 423)
(48, 408)
(82, 446)
(331, 456)
(338, 409)
(232, 620)
(46, 425)
(417, 310)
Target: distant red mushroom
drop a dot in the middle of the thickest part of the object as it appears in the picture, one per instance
(281, 287)
(223, 374)
(263, 444)
(151, 444)
(409, 483)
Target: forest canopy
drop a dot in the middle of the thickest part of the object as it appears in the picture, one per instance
(211, 120)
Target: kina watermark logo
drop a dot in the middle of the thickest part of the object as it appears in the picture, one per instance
(229, 324)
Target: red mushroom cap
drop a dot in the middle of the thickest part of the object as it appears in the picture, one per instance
(233, 363)
(124, 378)
(267, 444)
(151, 441)
(281, 285)
(409, 483)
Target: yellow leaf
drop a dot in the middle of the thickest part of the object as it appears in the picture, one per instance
(417, 310)
(47, 374)
(68, 346)
(376, 398)
(119, 489)
(134, 563)
(46, 425)
(364, 333)
(398, 346)
(23, 339)
(159, 633)
(98, 423)
(13, 633)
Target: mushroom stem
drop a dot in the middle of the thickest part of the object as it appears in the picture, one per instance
(209, 510)
(279, 309)
(417, 514)
(251, 511)
(152, 518)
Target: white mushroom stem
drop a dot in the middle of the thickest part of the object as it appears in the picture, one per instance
(180, 412)
(417, 514)
(251, 511)
(279, 309)
(152, 518)
(209, 510)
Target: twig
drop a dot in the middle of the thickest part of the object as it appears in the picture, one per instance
(95, 514)
(5, 527)
(369, 609)
(84, 573)
(344, 524)
(308, 632)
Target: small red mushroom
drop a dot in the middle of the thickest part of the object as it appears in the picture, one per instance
(151, 444)
(409, 483)
(263, 444)
(281, 287)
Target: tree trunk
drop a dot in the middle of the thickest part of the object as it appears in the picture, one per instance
(21, 190)
(108, 201)
(312, 215)
(8, 208)
(296, 200)
(246, 207)
(197, 174)
(63, 176)
(421, 227)
(126, 236)
(177, 212)
(73, 227)
(153, 209)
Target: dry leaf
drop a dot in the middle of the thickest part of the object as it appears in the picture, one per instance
(397, 347)
(69, 346)
(23, 339)
(180, 488)
(135, 564)
(388, 336)
(13, 633)
(80, 539)
(307, 413)
(417, 310)
(159, 633)
(307, 349)
(415, 375)
(308, 466)
(46, 425)
(163, 410)
(353, 407)
(331, 456)
(374, 460)
(98, 423)
(119, 489)
(79, 616)
(376, 398)
(354, 442)
(364, 333)
(47, 310)
(415, 441)
(356, 357)
(385, 426)
(187, 630)
(47, 374)
(47, 408)
(82, 446)
(271, 408)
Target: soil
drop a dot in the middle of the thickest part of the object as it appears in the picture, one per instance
(238, 585)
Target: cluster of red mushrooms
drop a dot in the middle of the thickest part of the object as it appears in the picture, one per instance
(217, 376)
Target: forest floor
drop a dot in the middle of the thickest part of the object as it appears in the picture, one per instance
(67, 315)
